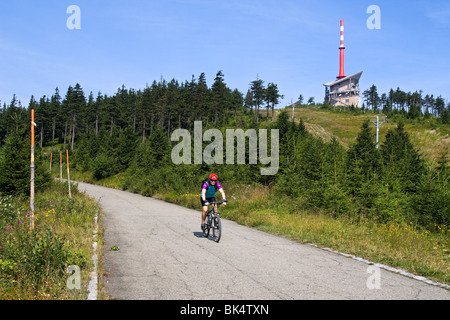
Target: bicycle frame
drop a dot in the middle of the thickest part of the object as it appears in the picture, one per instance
(214, 211)
(213, 221)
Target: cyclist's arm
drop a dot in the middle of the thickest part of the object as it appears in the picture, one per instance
(204, 194)
(223, 194)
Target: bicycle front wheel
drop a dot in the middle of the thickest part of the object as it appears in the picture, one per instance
(217, 230)
(207, 227)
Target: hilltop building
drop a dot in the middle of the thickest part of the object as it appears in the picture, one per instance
(345, 90)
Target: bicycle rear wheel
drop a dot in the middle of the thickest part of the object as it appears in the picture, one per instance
(217, 230)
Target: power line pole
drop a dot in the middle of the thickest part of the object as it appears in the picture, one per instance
(378, 126)
(292, 102)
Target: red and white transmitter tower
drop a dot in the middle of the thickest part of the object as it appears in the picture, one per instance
(345, 90)
(341, 55)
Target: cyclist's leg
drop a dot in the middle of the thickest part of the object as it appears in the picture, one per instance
(204, 210)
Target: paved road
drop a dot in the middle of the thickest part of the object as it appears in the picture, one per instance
(162, 255)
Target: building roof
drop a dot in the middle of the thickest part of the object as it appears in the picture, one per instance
(356, 76)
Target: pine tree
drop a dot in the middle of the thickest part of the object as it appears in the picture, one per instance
(301, 127)
(220, 93)
(74, 105)
(272, 97)
(173, 103)
(237, 101)
(55, 115)
(159, 149)
(202, 99)
(258, 93)
(363, 165)
(126, 148)
(439, 106)
(248, 101)
(15, 167)
(371, 97)
(401, 160)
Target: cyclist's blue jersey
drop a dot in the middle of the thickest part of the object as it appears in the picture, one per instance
(210, 189)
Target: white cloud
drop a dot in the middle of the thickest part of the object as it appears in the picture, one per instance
(440, 17)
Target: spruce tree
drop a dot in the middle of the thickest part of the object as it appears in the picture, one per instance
(401, 160)
(272, 97)
(15, 167)
(363, 166)
(258, 93)
(220, 94)
(159, 149)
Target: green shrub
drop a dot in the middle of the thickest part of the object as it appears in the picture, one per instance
(33, 263)
(32, 259)
(103, 166)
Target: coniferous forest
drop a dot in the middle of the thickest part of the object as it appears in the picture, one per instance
(129, 134)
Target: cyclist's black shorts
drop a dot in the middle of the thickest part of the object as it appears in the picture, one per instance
(207, 200)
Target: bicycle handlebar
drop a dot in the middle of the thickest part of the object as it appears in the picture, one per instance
(218, 203)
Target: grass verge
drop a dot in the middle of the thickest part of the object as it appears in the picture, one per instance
(33, 263)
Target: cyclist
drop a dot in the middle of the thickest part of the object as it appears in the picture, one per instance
(209, 188)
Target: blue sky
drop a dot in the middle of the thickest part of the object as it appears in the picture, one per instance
(292, 43)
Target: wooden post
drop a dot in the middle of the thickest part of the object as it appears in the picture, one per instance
(68, 173)
(32, 172)
(51, 158)
(60, 166)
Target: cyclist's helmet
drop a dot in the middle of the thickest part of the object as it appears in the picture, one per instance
(213, 177)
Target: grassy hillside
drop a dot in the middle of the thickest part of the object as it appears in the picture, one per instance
(431, 138)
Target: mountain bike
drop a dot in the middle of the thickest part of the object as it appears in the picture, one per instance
(213, 225)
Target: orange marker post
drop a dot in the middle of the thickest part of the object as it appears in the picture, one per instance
(60, 166)
(32, 167)
(68, 173)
